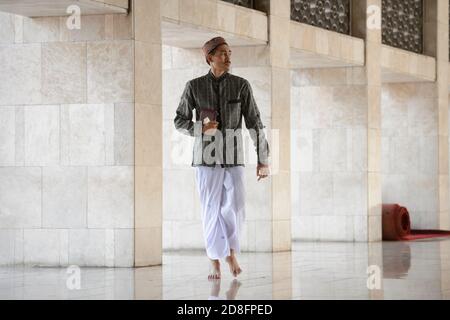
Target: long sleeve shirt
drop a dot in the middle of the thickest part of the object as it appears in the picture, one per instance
(232, 98)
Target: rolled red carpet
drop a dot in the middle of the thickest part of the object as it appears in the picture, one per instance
(396, 222)
(397, 226)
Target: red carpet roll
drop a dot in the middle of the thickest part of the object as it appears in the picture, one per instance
(396, 222)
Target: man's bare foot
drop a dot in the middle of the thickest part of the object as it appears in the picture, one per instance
(234, 266)
(214, 272)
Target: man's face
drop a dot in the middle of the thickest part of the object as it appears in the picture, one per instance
(221, 59)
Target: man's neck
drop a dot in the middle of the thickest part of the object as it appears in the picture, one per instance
(217, 73)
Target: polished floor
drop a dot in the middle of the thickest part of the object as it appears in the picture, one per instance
(388, 270)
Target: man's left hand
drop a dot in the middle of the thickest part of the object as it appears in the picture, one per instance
(262, 171)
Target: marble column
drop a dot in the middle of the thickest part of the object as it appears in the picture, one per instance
(442, 53)
(436, 42)
(372, 30)
(373, 74)
(279, 64)
(279, 25)
(148, 132)
(367, 24)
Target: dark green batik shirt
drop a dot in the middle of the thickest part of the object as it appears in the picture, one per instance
(232, 98)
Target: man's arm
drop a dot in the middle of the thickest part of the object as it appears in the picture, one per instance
(183, 120)
(253, 122)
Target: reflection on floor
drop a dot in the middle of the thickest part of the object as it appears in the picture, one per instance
(389, 270)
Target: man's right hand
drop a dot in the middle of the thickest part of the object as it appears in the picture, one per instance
(210, 128)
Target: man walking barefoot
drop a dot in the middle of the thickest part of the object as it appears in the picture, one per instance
(220, 101)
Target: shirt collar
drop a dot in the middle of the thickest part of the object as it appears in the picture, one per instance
(219, 79)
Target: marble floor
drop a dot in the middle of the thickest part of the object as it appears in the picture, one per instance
(313, 270)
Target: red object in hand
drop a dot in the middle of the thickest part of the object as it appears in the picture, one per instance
(209, 113)
(396, 222)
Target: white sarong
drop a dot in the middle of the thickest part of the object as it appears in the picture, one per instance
(222, 197)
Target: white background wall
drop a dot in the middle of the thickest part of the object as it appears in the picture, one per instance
(329, 154)
(410, 151)
(66, 141)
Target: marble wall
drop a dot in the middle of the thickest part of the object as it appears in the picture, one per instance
(329, 154)
(410, 151)
(66, 141)
(182, 227)
(181, 206)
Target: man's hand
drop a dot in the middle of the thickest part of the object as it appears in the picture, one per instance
(210, 128)
(262, 171)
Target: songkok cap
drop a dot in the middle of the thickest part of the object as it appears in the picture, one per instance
(212, 44)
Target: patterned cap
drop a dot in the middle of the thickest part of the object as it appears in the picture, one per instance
(212, 44)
